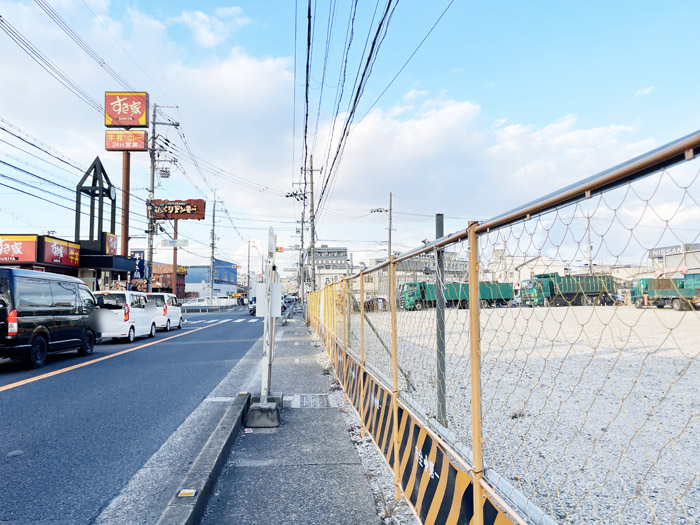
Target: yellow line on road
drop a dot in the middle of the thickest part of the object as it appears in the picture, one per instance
(92, 362)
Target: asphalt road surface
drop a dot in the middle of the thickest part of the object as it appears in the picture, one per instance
(76, 439)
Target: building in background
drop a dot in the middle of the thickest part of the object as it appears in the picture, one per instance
(332, 264)
(198, 280)
(163, 276)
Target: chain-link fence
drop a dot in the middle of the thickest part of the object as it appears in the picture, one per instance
(553, 349)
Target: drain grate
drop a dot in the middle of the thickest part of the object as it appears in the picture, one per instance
(311, 401)
(302, 343)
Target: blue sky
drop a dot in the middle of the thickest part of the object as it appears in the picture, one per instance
(504, 102)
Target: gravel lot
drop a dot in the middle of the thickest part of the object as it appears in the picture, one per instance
(593, 413)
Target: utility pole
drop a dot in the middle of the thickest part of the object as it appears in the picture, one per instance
(248, 272)
(590, 246)
(389, 255)
(149, 203)
(312, 219)
(302, 277)
(211, 261)
(384, 210)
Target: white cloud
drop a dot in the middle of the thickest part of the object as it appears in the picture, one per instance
(644, 91)
(434, 153)
(210, 31)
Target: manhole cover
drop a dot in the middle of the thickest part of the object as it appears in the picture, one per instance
(311, 401)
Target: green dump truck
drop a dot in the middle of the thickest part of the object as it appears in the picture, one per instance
(419, 295)
(552, 289)
(679, 294)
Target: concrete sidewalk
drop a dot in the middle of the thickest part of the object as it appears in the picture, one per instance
(305, 471)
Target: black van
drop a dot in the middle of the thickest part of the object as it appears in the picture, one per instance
(43, 312)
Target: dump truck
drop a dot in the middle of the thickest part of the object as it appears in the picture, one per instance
(678, 293)
(552, 289)
(419, 295)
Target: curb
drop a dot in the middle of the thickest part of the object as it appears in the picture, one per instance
(206, 468)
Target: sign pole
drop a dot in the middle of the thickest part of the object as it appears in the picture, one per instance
(174, 278)
(126, 183)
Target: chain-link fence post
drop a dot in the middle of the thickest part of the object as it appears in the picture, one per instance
(440, 324)
(475, 365)
(394, 377)
(362, 352)
(346, 325)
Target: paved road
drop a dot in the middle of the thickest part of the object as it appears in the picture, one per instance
(71, 442)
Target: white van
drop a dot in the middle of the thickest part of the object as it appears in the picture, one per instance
(124, 314)
(168, 311)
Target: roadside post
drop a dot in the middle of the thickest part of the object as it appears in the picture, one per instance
(264, 410)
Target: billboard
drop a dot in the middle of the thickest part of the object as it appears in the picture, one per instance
(140, 272)
(126, 140)
(18, 248)
(187, 209)
(126, 109)
(58, 251)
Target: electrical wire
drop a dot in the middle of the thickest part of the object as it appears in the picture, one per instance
(48, 66)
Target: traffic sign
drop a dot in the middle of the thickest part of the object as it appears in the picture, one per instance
(175, 243)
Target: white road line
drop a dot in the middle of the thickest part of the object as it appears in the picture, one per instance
(225, 321)
(239, 320)
(195, 322)
(211, 321)
(253, 321)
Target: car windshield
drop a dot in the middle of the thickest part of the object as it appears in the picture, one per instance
(111, 301)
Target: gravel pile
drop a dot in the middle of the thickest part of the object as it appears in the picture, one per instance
(593, 413)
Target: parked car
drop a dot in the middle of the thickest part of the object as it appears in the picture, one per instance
(126, 315)
(168, 310)
(42, 312)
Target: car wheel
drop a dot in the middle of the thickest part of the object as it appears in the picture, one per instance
(37, 355)
(152, 333)
(638, 302)
(676, 304)
(88, 343)
(132, 335)
(167, 325)
(179, 324)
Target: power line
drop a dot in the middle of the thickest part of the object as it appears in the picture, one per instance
(407, 61)
(48, 66)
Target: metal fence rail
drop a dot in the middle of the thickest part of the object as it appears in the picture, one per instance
(552, 349)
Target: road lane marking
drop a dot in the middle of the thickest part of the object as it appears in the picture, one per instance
(211, 321)
(86, 363)
(239, 320)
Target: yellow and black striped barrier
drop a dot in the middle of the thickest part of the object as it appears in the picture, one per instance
(439, 492)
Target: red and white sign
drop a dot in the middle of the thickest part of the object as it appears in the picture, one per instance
(186, 209)
(18, 248)
(126, 140)
(111, 243)
(57, 251)
(126, 109)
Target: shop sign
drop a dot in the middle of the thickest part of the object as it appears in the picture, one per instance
(126, 109)
(111, 243)
(57, 251)
(126, 140)
(186, 209)
(17, 248)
